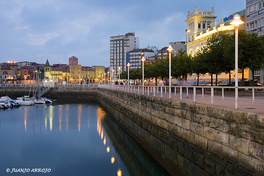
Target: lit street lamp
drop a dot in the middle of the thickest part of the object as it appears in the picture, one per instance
(236, 22)
(128, 65)
(170, 49)
(143, 60)
(108, 76)
(113, 73)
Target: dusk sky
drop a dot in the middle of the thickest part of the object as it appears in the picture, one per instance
(37, 30)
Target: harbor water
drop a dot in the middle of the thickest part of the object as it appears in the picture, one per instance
(69, 139)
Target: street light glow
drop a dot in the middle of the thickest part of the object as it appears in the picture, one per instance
(237, 21)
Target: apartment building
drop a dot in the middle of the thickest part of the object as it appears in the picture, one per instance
(255, 16)
(119, 46)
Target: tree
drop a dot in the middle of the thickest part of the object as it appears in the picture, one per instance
(182, 64)
(251, 53)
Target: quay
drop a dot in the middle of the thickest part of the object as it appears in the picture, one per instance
(190, 134)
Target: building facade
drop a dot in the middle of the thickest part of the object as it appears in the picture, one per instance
(75, 69)
(180, 45)
(134, 57)
(255, 23)
(119, 46)
(255, 16)
(201, 27)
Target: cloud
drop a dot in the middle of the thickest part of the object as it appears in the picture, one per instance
(40, 39)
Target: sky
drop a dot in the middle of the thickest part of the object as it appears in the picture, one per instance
(37, 30)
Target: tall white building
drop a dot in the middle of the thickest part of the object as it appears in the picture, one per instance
(119, 46)
(197, 22)
(255, 23)
(255, 16)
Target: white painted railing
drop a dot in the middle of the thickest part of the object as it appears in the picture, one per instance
(180, 92)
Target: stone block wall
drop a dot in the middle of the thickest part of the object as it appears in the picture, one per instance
(195, 138)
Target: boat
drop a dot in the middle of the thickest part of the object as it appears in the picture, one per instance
(47, 101)
(24, 101)
(38, 101)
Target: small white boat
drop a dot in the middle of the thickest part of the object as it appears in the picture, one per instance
(24, 101)
(38, 101)
(46, 100)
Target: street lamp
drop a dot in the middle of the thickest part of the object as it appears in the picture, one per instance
(119, 73)
(236, 22)
(113, 73)
(128, 65)
(108, 76)
(170, 49)
(143, 60)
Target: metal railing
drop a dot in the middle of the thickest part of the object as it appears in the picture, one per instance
(213, 93)
(193, 92)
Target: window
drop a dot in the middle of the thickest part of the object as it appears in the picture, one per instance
(252, 26)
(203, 25)
(259, 5)
(199, 25)
(262, 21)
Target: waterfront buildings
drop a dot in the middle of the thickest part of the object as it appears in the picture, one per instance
(134, 57)
(255, 16)
(202, 26)
(119, 46)
(180, 45)
(255, 23)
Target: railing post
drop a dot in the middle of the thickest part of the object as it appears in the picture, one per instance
(175, 90)
(202, 92)
(138, 89)
(187, 91)
(154, 91)
(194, 94)
(253, 95)
(181, 93)
(223, 93)
(148, 90)
(212, 96)
(165, 90)
(161, 91)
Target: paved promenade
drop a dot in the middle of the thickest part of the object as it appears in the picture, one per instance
(245, 102)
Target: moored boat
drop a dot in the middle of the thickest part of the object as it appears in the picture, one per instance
(25, 101)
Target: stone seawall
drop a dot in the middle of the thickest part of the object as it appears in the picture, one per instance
(198, 140)
(61, 94)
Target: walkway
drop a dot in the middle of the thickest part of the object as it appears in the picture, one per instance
(245, 103)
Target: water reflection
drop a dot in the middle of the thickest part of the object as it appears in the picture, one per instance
(67, 116)
(60, 115)
(79, 116)
(65, 149)
(25, 118)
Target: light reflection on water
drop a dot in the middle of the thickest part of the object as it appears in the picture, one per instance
(69, 138)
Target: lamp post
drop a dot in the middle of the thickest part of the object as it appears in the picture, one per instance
(113, 73)
(143, 60)
(128, 65)
(236, 22)
(108, 76)
(170, 49)
(119, 73)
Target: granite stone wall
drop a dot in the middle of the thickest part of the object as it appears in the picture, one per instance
(198, 140)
